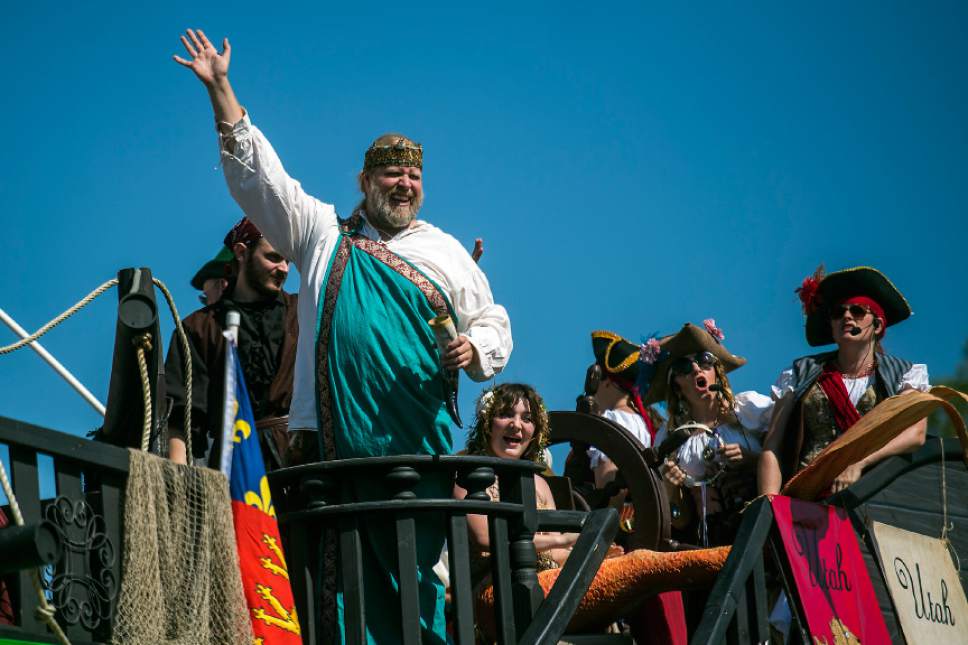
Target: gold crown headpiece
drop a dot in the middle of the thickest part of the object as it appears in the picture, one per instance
(400, 153)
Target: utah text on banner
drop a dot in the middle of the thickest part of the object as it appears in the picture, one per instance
(831, 578)
(924, 586)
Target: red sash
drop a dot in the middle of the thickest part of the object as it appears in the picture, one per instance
(832, 383)
(643, 411)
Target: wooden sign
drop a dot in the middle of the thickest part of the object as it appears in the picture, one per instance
(924, 586)
(830, 577)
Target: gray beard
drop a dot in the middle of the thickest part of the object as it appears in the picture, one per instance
(383, 216)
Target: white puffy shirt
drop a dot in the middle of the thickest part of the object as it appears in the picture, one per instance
(753, 411)
(915, 378)
(631, 421)
(306, 231)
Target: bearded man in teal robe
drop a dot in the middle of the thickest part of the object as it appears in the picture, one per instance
(370, 380)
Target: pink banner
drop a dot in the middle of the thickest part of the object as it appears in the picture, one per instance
(829, 573)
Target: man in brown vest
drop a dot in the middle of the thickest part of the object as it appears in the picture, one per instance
(267, 351)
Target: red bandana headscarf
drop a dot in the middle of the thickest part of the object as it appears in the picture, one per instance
(244, 231)
(870, 303)
(832, 381)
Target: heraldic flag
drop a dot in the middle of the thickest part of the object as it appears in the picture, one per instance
(264, 573)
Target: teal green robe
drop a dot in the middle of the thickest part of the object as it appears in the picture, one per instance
(380, 391)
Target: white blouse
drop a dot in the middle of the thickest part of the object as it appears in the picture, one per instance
(631, 421)
(915, 378)
(753, 412)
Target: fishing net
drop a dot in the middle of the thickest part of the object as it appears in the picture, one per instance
(181, 580)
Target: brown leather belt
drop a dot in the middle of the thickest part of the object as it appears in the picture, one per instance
(274, 435)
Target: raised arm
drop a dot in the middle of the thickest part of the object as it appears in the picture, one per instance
(212, 69)
(293, 221)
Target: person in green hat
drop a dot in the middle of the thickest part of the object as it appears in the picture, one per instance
(214, 277)
(823, 395)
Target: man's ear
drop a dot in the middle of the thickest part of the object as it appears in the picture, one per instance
(238, 250)
(364, 181)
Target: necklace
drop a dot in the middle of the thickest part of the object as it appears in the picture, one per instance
(866, 370)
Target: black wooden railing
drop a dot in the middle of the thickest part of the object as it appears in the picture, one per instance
(737, 611)
(902, 491)
(318, 497)
(86, 515)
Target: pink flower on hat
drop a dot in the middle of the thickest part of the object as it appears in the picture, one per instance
(713, 330)
(649, 351)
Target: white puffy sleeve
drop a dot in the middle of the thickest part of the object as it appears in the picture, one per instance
(291, 220)
(916, 378)
(485, 323)
(488, 328)
(754, 410)
(783, 385)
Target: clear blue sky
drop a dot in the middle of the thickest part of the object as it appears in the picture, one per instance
(630, 166)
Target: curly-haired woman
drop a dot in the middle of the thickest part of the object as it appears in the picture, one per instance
(512, 423)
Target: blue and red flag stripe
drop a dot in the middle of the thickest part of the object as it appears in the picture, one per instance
(261, 560)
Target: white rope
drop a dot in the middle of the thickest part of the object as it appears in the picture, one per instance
(187, 357)
(945, 526)
(83, 302)
(45, 610)
(143, 344)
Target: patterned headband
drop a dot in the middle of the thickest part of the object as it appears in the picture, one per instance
(399, 154)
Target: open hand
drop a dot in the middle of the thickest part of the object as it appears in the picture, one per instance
(209, 66)
(459, 354)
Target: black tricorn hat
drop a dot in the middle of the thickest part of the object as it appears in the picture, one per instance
(689, 340)
(617, 356)
(217, 267)
(833, 288)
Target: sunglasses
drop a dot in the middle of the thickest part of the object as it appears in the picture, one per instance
(683, 365)
(856, 311)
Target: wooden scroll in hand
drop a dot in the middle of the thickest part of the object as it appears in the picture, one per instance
(445, 333)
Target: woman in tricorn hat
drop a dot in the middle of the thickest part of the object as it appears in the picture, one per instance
(821, 396)
(719, 432)
(619, 398)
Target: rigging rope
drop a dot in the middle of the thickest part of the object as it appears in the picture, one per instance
(44, 609)
(187, 358)
(945, 526)
(83, 302)
(143, 344)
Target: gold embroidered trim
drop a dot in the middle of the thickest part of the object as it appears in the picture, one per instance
(615, 339)
(399, 154)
